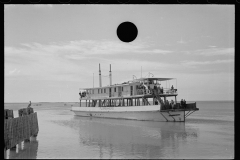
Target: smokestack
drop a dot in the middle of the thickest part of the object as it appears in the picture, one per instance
(110, 75)
(100, 78)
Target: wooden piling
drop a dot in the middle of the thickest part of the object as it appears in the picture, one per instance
(8, 114)
(21, 128)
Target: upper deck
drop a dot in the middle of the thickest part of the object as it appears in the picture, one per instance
(136, 88)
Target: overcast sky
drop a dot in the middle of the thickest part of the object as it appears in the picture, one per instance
(50, 51)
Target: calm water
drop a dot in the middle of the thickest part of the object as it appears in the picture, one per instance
(207, 133)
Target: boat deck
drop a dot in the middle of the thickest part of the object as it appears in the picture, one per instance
(182, 109)
(126, 97)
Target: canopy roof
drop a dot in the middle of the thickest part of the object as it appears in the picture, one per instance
(159, 79)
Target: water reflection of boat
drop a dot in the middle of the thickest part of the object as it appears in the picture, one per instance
(24, 150)
(129, 137)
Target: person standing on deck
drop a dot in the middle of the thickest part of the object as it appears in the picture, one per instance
(158, 89)
(162, 104)
(184, 103)
(172, 104)
(155, 89)
(181, 103)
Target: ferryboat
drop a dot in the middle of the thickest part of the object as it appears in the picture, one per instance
(139, 99)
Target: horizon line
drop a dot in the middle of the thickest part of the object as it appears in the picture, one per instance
(78, 102)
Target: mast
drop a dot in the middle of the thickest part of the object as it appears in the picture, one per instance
(100, 79)
(110, 75)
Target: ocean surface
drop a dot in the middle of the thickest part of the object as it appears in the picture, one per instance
(207, 133)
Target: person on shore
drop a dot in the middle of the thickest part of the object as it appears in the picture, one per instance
(29, 111)
(29, 105)
(172, 88)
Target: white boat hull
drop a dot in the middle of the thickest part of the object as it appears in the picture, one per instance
(144, 113)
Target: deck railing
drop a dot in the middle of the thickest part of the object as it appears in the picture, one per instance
(191, 106)
(165, 91)
(179, 106)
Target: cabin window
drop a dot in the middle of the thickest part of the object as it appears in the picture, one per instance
(115, 89)
(101, 90)
(98, 91)
(131, 90)
(122, 88)
(104, 90)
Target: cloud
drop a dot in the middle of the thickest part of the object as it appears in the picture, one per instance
(12, 71)
(90, 47)
(159, 51)
(8, 6)
(182, 41)
(212, 46)
(71, 60)
(205, 36)
(43, 5)
(194, 63)
(38, 6)
(213, 52)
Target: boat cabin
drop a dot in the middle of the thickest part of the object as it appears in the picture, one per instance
(137, 87)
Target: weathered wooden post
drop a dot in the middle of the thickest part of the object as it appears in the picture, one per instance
(19, 129)
(8, 114)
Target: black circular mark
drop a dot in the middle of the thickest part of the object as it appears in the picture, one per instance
(153, 1)
(127, 31)
(94, 1)
(123, 1)
(238, 1)
(34, 1)
(183, 1)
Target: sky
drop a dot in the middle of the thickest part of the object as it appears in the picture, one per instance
(50, 51)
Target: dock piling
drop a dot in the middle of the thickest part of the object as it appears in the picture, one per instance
(19, 129)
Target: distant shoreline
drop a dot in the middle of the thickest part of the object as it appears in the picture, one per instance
(78, 102)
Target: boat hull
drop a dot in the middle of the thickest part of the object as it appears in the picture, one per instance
(142, 113)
